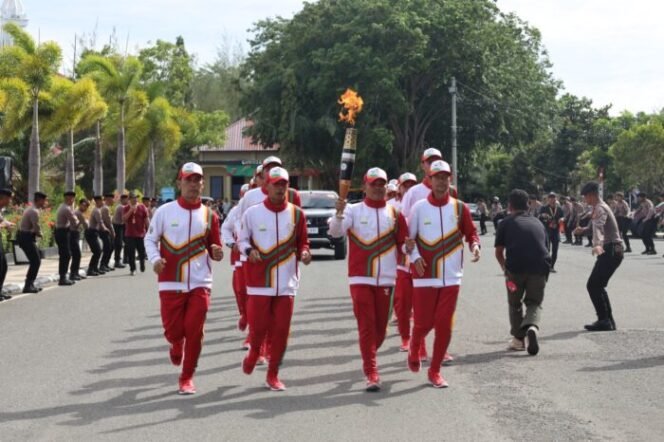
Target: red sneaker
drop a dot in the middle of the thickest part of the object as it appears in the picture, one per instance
(437, 380)
(187, 387)
(273, 383)
(249, 363)
(373, 383)
(242, 323)
(405, 344)
(448, 359)
(176, 352)
(414, 364)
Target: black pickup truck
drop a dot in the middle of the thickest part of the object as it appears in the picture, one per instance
(318, 206)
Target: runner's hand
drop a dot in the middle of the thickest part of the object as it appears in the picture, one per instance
(410, 245)
(305, 257)
(420, 266)
(159, 266)
(476, 254)
(340, 205)
(217, 252)
(598, 250)
(255, 256)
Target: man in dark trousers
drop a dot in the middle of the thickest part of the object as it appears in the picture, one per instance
(5, 200)
(92, 237)
(526, 268)
(107, 234)
(550, 215)
(26, 238)
(136, 222)
(119, 229)
(75, 238)
(608, 247)
(64, 220)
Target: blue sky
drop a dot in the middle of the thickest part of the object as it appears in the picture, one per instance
(607, 50)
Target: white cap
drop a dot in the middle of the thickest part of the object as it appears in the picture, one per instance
(391, 187)
(259, 170)
(375, 173)
(439, 166)
(271, 160)
(431, 153)
(405, 177)
(189, 169)
(244, 189)
(277, 174)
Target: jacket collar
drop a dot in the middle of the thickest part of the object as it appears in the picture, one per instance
(374, 204)
(439, 202)
(189, 206)
(275, 207)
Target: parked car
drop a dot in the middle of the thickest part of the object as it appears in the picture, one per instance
(475, 213)
(318, 206)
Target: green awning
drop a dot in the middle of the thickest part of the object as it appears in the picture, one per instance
(241, 170)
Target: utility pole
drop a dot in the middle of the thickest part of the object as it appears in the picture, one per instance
(455, 169)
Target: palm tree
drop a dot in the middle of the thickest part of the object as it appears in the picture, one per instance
(36, 65)
(157, 133)
(14, 103)
(116, 78)
(77, 106)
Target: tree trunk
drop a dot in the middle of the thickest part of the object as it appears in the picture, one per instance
(150, 178)
(34, 153)
(70, 180)
(120, 173)
(98, 180)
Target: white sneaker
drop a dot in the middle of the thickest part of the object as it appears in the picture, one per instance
(516, 344)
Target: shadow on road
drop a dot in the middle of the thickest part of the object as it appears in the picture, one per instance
(635, 364)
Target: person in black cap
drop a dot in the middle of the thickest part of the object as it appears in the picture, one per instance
(28, 232)
(92, 237)
(5, 200)
(608, 247)
(550, 215)
(64, 219)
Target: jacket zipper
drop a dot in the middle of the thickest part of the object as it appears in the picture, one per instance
(378, 237)
(442, 235)
(276, 221)
(189, 261)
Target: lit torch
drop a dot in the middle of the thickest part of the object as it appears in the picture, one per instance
(352, 105)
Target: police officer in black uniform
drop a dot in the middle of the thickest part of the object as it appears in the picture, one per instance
(26, 238)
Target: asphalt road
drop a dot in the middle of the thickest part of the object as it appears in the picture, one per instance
(90, 363)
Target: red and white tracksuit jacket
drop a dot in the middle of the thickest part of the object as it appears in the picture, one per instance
(438, 227)
(376, 231)
(279, 233)
(182, 234)
(417, 193)
(230, 232)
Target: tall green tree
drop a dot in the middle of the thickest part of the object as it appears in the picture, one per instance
(77, 106)
(169, 66)
(400, 55)
(36, 65)
(14, 103)
(116, 77)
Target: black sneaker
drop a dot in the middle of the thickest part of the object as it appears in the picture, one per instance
(142, 265)
(66, 282)
(603, 325)
(531, 338)
(119, 266)
(92, 273)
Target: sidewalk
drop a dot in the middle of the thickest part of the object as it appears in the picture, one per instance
(48, 274)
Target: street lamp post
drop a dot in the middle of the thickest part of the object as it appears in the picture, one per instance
(455, 169)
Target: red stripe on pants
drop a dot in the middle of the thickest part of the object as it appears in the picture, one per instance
(240, 290)
(434, 309)
(371, 306)
(183, 317)
(403, 302)
(269, 315)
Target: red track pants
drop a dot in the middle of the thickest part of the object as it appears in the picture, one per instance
(371, 306)
(434, 309)
(183, 316)
(403, 302)
(240, 290)
(269, 315)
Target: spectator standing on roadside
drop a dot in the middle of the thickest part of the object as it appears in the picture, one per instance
(550, 215)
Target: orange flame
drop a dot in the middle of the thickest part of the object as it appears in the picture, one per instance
(353, 104)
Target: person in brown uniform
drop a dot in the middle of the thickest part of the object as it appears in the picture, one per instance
(75, 238)
(107, 235)
(5, 200)
(64, 220)
(608, 247)
(621, 212)
(119, 229)
(28, 232)
(92, 237)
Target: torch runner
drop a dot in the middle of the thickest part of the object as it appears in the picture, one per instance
(352, 105)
